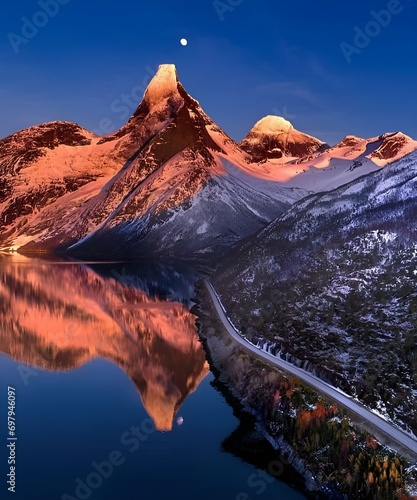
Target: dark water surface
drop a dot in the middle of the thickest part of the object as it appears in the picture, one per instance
(114, 396)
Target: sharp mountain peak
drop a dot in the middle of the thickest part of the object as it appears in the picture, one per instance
(163, 85)
(170, 180)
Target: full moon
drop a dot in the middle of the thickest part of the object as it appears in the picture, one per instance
(184, 42)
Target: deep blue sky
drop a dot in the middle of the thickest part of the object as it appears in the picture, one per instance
(264, 57)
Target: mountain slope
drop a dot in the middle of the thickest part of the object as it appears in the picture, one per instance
(321, 168)
(350, 159)
(185, 182)
(40, 164)
(331, 286)
(170, 183)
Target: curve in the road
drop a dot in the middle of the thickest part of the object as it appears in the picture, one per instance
(335, 394)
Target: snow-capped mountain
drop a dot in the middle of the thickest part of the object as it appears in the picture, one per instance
(41, 163)
(331, 286)
(275, 137)
(350, 159)
(324, 167)
(169, 182)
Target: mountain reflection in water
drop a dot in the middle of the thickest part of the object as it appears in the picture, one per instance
(60, 315)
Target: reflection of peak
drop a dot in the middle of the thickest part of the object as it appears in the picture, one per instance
(168, 383)
(65, 318)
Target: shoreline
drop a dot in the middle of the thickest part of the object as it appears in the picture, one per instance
(224, 354)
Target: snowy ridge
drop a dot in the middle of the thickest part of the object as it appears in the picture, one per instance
(169, 182)
(338, 271)
(182, 188)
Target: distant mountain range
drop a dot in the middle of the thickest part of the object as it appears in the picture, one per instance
(170, 183)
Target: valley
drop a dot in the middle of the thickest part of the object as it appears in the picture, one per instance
(311, 249)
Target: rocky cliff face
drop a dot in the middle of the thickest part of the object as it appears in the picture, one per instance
(169, 173)
(170, 183)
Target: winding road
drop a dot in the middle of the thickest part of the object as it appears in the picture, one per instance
(335, 394)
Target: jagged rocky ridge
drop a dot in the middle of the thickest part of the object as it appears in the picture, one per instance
(170, 183)
(164, 184)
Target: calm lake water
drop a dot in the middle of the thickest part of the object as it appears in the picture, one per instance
(114, 397)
